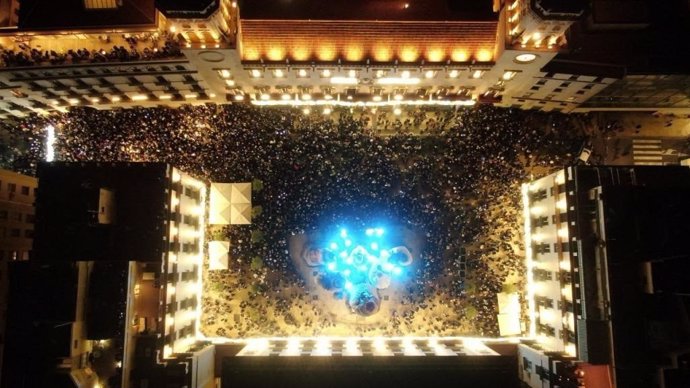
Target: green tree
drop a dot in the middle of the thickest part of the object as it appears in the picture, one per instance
(257, 236)
(257, 263)
(257, 185)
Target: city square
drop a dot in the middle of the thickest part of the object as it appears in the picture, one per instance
(408, 193)
(459, 193)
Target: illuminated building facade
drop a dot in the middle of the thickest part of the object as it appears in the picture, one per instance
(17, 194)
(375, 54)
(132, 238)
(603, 245)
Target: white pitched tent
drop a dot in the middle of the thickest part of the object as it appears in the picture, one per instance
(241, 193)
(508, 314)
(230, 203)
(240, 214)
(218, 255)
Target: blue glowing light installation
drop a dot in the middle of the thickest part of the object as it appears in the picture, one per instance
(360, 264)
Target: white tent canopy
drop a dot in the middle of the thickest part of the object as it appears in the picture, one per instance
(508, 314)
(218, 255)
(230, 203)
(240, 214)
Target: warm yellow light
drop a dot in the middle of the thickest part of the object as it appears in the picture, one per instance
(306, 96)
(328, 96)
(477, 74)
(377, 98)
(326, 73)
(453, 74)
(536, 36)
(344, 81)
(225, 73)
(397, 111)
(115, 98)
(286, 96)
(484, 55)
(409, 54)
(508, 75)
(398, 97)
(256, 73)
(354, 53)
(73, 101)
(561, 204)
(140, 97)
(326, 111)
(164, 97)
(276, 53)
(278, 73)
(95, 100)
(383, 54)
(173, 29)
(429, 74)
(560, 178)
(301, 53)
(405, 74)
(352, 73)
(537, 210)
(191, 95)
(306, 111)
(251, 54)
(265, 96)
(397, 81)
(435, 55)
(563, 232)
(230, 82)
(459, 55)
(326, 52)
(565, 265)
(302, 73)
(239, 97)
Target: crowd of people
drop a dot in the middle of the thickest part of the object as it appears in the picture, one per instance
(458, 188)
(151, 46)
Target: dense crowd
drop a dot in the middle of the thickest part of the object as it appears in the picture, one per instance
(139, 48)
(457, 188)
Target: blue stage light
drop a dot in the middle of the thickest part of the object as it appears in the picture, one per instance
(348, 243)
(348, 286)
(346, 272)
(343, 254)
(388, 267)
(379, 232)
(334, 246)
(331, 266)
(343, 233)
(362, 268)
(348, 260)
(370, 232)
(374, 246)
(397, 270)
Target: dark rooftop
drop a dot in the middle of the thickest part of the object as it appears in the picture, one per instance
(387, 10)
(71, 14)
(187, 8)
(658, 48)
(574, 7)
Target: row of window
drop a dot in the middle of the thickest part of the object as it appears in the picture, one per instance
(12, 188)
(14, 255)
(16, 233)
(17, 216)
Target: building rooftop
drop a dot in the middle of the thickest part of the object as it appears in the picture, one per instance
(398, 10)
(94, 211)
(187, 8)
(653, 47)
(71, 14)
